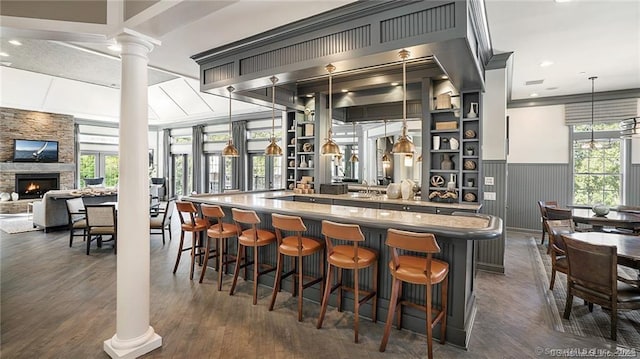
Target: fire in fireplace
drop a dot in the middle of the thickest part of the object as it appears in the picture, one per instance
(34, 185)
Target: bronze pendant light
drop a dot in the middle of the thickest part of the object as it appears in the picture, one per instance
(404, 145)
(354, 158)
(273, 149)
(592, 145)
(386, 161)
(330, 147)
(230, 150)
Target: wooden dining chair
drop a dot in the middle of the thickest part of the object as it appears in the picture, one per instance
(555, 229)
(162, 224)
(77, 219)
(593, 276)
(543, 215)
(101, 221)
(220, 231)
(191, 223)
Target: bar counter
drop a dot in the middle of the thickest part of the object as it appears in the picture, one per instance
(456, 235)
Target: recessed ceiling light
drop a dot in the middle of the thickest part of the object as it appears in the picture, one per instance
(115, 47)
(4, 54)
(534, 95)
(345, 90)
(310, 95)
(562, 0)
(395, 83)
(15, 42)
(445, 77)
(546, 63)
(582, 73)
(551, 88)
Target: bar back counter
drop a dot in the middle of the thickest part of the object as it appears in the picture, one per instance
(456, 234)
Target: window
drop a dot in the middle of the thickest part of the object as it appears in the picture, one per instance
(99, 164)
(266, 171)
(597, 173)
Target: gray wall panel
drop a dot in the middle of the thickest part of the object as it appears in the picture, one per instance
(633, 187)
(418, 23)
(530, 183)
(490, 254)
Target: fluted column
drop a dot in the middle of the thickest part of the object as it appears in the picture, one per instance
(134, 336)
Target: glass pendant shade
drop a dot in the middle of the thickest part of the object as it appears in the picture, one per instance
(354, 158)
(385, 159)
(330, 147)
(403, 144)
(273, 149)
(230, 150)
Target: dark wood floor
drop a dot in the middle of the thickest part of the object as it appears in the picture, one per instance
(57, 302)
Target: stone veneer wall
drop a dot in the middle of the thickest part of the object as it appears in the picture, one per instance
(33, 125)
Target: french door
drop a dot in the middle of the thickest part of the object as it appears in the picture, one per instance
(266, 172)
(99, 164)
(181, 174)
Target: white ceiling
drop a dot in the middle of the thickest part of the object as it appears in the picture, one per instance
(77, 74)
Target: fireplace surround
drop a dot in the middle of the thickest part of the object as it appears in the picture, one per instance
(34, 185)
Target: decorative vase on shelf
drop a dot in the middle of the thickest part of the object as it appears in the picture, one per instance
(451, 186)
(14, 196)
(393, 191)
(4, 196)
(303, 162)
(446, 163)
(454, 144)
(406, 188)
(473, 110)
(436, 142)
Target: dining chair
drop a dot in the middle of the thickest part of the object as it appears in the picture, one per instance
(555, 229)
(593, 276)
(408, 267)
(543, 215)
(347, 253)
(101, 221)
(220, 231)
(77, 219)
(161, 224)
(190, 222)
(555, 213)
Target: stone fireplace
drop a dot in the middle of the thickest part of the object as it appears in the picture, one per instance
(34, 185)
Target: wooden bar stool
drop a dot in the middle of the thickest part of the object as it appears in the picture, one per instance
(351, 257)
(294, 246)
(416, 270)
(251, 237)
(221, 232)
(192, 224)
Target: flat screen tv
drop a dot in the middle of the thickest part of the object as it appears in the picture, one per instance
(35, 151)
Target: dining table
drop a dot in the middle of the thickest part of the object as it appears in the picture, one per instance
(627, 246)
(626, 220)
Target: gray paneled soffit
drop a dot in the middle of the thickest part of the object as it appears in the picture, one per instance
(586, 97)
(351, 40)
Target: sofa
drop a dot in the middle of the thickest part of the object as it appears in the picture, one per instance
(50, 212)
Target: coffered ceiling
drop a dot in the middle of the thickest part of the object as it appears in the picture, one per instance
(580, 38)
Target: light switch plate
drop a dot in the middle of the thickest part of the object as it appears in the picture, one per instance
(490, 196)
(488, 181)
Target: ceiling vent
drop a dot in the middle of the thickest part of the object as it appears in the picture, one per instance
(534, 82)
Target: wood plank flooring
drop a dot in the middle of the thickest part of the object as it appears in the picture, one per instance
(57, 302)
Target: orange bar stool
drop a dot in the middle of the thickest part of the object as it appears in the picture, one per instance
(294, 246)
(416, 270)
(193, 224)
(351, 257)
(255, 238)
(221, 232)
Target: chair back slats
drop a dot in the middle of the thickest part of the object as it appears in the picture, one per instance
(543, 207)
(168, 212)
(74, 207)
(412, 241)
(101, 215)
(212, 211)
(556, 228)
(288, 223)
(592, 266)
(554, 213)
(345, 232)
(245, 216)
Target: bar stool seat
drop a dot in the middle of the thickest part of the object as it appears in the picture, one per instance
(221, 232)
(297, 247)
(352, 257)
(422, 270)
(253, 237)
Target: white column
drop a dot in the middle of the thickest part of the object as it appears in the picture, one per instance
(134, 336)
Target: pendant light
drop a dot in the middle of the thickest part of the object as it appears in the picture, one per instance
(330, 147)
(386, 161)
(592, 145)
(354, 158)
(273, 149)
(404, 145)
(230, 150)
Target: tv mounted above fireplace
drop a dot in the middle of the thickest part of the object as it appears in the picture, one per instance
(35, 151)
